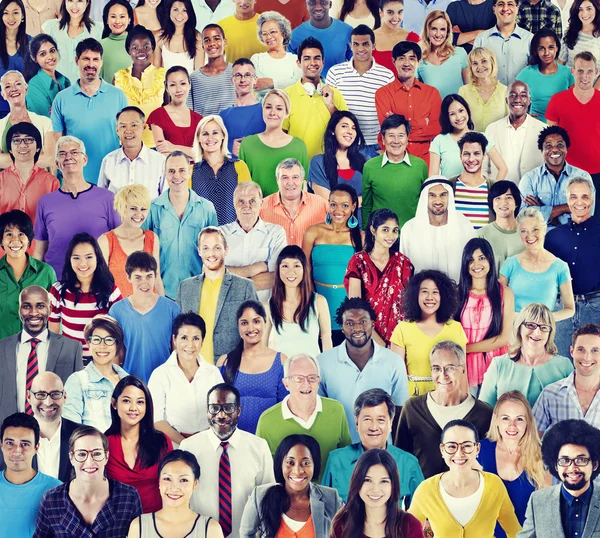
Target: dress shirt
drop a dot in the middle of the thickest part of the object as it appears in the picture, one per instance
(516, 145)
(306, 424)
(543, 14)
(415, 12)
(48, 455)
(574, 511)
(385, 159)
(251, 465)
(23, 349)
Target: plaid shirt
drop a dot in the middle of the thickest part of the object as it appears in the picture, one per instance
(59, 518)
(544, 14)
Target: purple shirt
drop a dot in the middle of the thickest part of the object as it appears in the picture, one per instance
(60, 216)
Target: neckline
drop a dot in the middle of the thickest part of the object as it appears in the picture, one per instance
(161, 536)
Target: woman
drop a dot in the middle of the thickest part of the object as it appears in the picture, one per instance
(532, 362)
(463, 501)
(444, 153)
(513, 451)
(583, 32)
(36, 15)
(296, 316)
(544, 75)
(429, 304)
(443, 65)
(68, 30)
(485, 95)
(118, 22)
(263, 152)
(379, 273)
(216, 174)
(142, 83)
(178, 476)
(295, 505)
(485, 310)
(372, 508)
(133, 204)
(150, 15)
(90, 389)
(107, 504)
(180, 44)
(253, 368)
(552, 276)
(135, 446)
(330, 246)
(355, 12)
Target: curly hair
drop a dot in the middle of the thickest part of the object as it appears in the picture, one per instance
(448, 296)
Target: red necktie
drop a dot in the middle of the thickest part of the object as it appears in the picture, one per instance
(225, 491)
(32, 371)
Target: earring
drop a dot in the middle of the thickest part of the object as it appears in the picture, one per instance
(328, 219)
(352, 222)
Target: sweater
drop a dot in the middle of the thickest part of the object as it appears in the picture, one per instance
(115, 56)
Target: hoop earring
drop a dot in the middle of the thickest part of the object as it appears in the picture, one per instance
(352, 222)
(328, 219)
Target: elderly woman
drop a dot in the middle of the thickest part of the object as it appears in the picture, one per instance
(424, 417)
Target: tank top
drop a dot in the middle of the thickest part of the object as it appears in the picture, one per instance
(170, 59)
(148, 527)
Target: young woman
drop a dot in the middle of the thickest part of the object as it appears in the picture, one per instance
(330, 246)
(485, 310)
(372, 508)
(180, 44)
(150, 15)
(118, 22)
(253, 368)
(135, 446)
(379, 273)
(429, 304)
(583, 33)
(285, 508)
(355, 12)
(296, 316)
(178, 476)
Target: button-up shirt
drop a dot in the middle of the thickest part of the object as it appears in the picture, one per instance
(574, 511)
(23, 349)
(48, 455)
(544, 14)
(415, 12)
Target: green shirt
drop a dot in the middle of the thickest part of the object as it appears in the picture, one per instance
(36, 273)
(115, 56)
(505, 243)
(42, 90)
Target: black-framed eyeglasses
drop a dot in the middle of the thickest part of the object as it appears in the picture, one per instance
(579, 461)
(452, 448)
(97, 340)
(54, 394)
(81, 455)
(228, 408)
(27, 140)
(533, 326)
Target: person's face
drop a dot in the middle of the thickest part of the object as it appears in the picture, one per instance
(131, 406)
(12, 16)
(298, 383)
(479, 265)
(48, 409)
(14, 242)
(466, 451)
(247, 205)
(392, 15)
(357, 327)
(140, 50)
(535, 337)
(311, 63)
(14, 89)
(70, 158)
(142, 281)
(406, 66)
(586, 13)
(554, 150)
(23, 148)
(18, 448)
(89, 64)
(271, 35)
(223, 424)
(291, 272)
(437, 200)
(386, 234)
(102, 352)
(374, 426)
(244, 7)
(118, 19)
(243, 77)
(362, 47)
(90, 469)
(188, 342)
(504, 205)
(130, 128)
(446, 371)
(429, 297)
(47, 56)
(211, 138)
(458, 116)
(532, 233)
(251, 326)
(396, 141)
(84, 261)
(178, 86)
(176, 484)
(518, 100)
(135, 215)
(580, 201)
(213, 43)
(575, 477)
(438, 32)
(318, 9)
(506, 11)
(481, 67)
(177, 171)
(547, 50)
(586, 355)
(76, 8)
(345, 133)
(511, 418)
(376, 490)
(585, 73)
(274, 110)
(341, 207)
(212, 251)
(290, 182)
(179, 15)
(298, 468)
(472, 157)
(34, 310)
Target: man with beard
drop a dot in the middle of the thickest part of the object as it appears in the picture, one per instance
(571, 451)
(233, 461)
(359, 364)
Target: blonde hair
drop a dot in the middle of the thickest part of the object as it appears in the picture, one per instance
(530, 446)
(198, 151)
(283, 96)
(483, 52)
(137, 195)
(447, 49)
(537, 313)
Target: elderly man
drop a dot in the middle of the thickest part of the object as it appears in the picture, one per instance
(253, 243)
(292, 207)
(423, 417)
(304, 411)
(374, 412)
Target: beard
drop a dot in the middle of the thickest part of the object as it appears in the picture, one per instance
(576, 486)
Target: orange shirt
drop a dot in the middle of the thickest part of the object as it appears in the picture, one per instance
(294, 11)
(308, 531)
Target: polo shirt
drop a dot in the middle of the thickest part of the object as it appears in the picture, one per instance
(91, 119)
(205, 15)
(242, 121)
(42, 89)
(415, 12)
(242, 37)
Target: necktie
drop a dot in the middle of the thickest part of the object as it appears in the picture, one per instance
(225, 491)
(32, 371)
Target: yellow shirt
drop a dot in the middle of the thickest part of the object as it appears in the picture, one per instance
(242, 38)
(208, 308)
(482, 113)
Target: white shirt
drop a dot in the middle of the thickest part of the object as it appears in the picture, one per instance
(463, 508)
(306, 424)
(386, 159)
(251, 465)
(444, 414)
(515, 139)
(23, 349)
(147, 169)
(181, 403)
(205, 15)
(48, 456)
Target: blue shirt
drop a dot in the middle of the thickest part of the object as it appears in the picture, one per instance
(447, 77)
(574, 511)
(91, 119)
(241, 121)
(415, 12)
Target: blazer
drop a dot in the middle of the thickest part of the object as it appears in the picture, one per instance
(324, 504)
(234, 291)
(64, 358)
(542, 519)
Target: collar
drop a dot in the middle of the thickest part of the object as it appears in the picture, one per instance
(568, 381)
(143, 155)
(47, 80)
(172, 361)
(495, 31)
(287, 414)
(385, 159)
(77, 88)
(237, 229)
(235, 440)
(570, 499)
(163, 199)
(567, 170)
(32, 263)
(120, 37)
(302, 198)
(525, 123)
(344, 357)
(590, 223)
(95, 375)
(398, 86)
(42, 337)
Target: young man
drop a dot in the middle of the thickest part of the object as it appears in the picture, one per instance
(241, 28)
(537, 14)
(469, 19)
(145, 317)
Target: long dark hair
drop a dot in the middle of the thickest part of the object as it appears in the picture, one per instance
(355, 235)
(64, 17)
(30, 66)
(377, 219)
(373, 6)
(306, 287)
(276, 500)
(493, 286)
(105, 13)
(330, 145)
(444, 114)
(103, 283)
(22, 47)
(350, 520)
(152, 444)
(575, 25)
(190, 37)
(534, 57)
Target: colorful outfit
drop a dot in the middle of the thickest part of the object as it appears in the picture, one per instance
(484, 113)
(242, 38)
(294, 11)
(472, 202)
(384, 57)
(115, 56)
(318, 176)
(179, 136)
(446, 77)
(41, 91)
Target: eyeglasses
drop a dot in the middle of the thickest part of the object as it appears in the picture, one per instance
(452, 448)
(533, 326)
(82, 455)
(228, 408)
(272, 33)
(448, 370)
(73, 153)
(579, 461)
(27, 140)
(362, 323)
(299, 379)
(240, 76)
(42, 395)
(97, 340)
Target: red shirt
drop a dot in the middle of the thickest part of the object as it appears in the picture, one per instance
(384, 57)
(294, 11)
(179, 136)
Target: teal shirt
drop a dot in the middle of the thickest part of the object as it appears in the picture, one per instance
(115, 56)
(41, 91)
(446, 77)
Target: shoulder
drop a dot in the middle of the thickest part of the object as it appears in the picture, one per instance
(272, 413)
(332, 406)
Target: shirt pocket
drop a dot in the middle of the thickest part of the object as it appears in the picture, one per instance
(166, 232)
(96, 405)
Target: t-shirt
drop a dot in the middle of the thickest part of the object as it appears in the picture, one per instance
(504, 243)
(179, 136)
(242, 38)
(294, 11)
(472, 203)
(209, 94)
(447, 77)
(469, 17)
(242, 121)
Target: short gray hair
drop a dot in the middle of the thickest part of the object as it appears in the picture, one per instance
(579, 180)
(284, 25)
(212, 230)
(531, 213)
(246, 186)
(13, 72)
(451, 347)
(290, 360)
(288, 164)
(69, 140)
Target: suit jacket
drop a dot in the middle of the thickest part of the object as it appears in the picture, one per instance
(542, 519)
(234, 291)
(324, 504)
(64, 358)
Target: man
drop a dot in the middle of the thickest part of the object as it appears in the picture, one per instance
(211, 11)
(245, 118)
(304, 411)
(516, 135)
(435, 238)
(21, 486)
(419, 103)
(241, 28)
(570, 451)
(469, 19)
(509, 42)
(359, 364)
(133, 162)
(545, 187)
(537, 14)
(177, 216)
(88, 109)
(415, 12)
(216, 295)
(33, 350)
(393, 180)
(374, 412)
(254, 244)
(292, 207)
(358, 79)
(232, 461)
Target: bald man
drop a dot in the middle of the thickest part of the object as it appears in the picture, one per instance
(34, 349)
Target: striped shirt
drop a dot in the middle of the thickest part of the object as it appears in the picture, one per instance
(472, 202)
(585, 42)
(210, 94)
(359, 93)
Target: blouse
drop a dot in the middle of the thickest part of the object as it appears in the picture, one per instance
(177, 135)
(34, 18)
(482, 113)
(41, 91)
